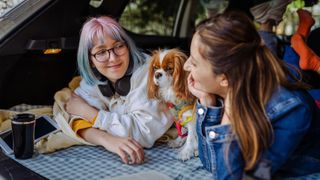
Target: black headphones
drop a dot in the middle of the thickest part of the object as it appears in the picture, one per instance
(121, 87)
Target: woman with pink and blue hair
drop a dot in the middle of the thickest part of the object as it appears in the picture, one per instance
(112, 96)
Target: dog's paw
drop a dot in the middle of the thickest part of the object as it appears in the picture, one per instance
(187, 153)
(196, 153)
(178, 142)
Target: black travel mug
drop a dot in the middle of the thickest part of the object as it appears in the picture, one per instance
(23, 135)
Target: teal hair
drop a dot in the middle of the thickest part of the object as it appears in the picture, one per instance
(98, 28)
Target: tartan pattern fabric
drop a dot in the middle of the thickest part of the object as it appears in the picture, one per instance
(26, 107)
(87, 162)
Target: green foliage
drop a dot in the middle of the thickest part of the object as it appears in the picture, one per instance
(296, 4)
(150, 16)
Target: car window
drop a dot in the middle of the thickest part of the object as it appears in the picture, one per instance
(14, 12)
(286, 27)
(7, 5)
(150, 17)
(209, 8)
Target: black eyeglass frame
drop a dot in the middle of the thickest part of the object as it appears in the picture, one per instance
(119, 44)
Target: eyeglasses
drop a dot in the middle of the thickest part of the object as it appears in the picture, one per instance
(104, 54)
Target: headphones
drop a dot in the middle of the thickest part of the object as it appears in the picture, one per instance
(121, 86)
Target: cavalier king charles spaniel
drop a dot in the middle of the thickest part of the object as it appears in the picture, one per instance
(168, 83)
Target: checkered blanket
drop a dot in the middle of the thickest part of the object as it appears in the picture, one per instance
(87, 162)
(26, 107)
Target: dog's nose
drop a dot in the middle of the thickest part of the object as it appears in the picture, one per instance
(158, 75)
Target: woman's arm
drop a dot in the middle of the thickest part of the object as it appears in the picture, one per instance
(289, 129)
(125, 147)
(218, 147)
(136, 116)
(78, 106)
(143, 121)
(291, 120)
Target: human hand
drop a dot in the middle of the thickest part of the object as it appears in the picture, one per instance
(78, 106)
(205, 98)
(129, 150)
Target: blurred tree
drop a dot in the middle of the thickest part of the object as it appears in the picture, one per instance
(150, 17)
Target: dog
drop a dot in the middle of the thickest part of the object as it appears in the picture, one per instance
(167, 82)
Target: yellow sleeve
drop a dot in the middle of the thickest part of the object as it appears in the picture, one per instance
(80, 124)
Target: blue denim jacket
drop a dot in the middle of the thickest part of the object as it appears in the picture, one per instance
(295, 150)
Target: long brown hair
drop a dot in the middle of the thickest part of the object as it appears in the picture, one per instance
(234, 48)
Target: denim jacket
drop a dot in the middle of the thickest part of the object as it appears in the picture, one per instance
(295, 150)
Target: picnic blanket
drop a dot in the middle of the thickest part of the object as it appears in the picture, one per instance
(89, 162)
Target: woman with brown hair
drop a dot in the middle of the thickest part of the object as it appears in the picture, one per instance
(253, 117)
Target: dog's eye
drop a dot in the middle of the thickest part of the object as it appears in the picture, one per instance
(155, 68)
(169, 69)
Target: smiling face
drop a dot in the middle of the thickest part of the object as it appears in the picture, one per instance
(116, 66)
(201, 73)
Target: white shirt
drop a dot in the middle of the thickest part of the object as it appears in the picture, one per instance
(133, 115)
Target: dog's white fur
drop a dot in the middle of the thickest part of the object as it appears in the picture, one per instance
(161, 85)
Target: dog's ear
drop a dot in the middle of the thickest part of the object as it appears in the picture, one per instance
(180, 83)
(152, 88)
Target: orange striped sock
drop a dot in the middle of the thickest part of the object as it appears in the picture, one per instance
(305, 22)
(308, 59)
